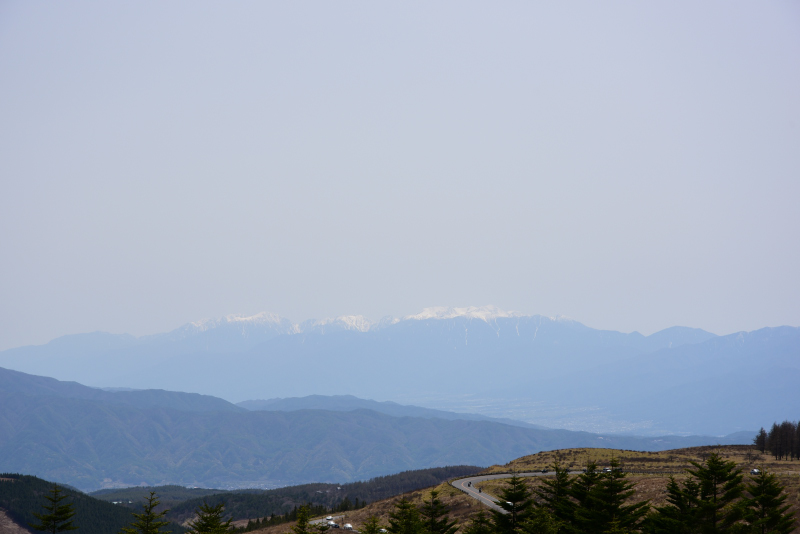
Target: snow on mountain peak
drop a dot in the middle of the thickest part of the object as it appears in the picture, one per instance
(485, 313)
(348, 322)
(357, 323)
(259, 318)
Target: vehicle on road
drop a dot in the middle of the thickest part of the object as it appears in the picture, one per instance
(755, 471)
(329, 518)
(348, 526)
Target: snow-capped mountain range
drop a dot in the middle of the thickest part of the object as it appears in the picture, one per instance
(550, 371)
(357, 323)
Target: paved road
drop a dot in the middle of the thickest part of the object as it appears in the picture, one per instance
(323, 520)
(467, 485)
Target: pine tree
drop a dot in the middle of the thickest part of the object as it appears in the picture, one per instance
(553, 496)
(148, 522)
(517, 502)
(678, 516)
(58, 517)
(542, 521)
(480, 524)
(345, 505)
(321, 527)
(581, 490)
(209, 520)
(607, 509)
(434, 516)
(302, 526)
(760, 441)
(371, 525)
(764, 509)
(404, 519)
(774, 441)
(720, 485)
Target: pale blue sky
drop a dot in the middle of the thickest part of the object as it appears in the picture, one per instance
(632, 165)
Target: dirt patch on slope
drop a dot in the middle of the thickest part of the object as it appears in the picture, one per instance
(7, 526)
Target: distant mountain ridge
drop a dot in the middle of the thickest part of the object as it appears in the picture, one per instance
(348, 403)
(63, 432)
(31, 385)
(548, 371)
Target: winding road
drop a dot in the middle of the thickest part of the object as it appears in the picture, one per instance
(467, 485)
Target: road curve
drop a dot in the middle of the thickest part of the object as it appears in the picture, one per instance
(467, 485)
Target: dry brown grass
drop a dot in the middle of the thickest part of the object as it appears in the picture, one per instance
(8, 526)
(461, 508)
(676, 460)
(652, 472)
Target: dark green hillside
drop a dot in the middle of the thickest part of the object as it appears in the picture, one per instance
(22, 495)
(168, 495)
(251, 505)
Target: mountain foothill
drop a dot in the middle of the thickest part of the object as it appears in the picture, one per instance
(277, 403)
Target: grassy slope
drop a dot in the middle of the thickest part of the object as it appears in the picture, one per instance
(255, 504)
(650, 483)
(675, 460)
(651, 470)
(461, 508)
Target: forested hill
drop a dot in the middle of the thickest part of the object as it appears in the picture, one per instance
(248, 505)
(169, 495)
(23, 495)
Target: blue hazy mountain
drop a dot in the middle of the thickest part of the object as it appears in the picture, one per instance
(349, 403)
(63, 432)
(747, 379)
(14, 382)
(549, 371)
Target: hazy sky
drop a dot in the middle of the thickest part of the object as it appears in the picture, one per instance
(632, 165)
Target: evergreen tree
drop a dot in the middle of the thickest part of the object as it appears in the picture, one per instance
(321, 527)
(209, 520)
(678, 516)
(542, 521)
(480, 524)
(517, 502)
(787, 439)
(553, 495)
(760, 441)
(764, 509)
(58, 517)
(774, 443)
(720, 485)
(345, 505)
(404, 519)
(371, 525)
(607, 510)
(581, 490)
(302, 526)
(434, 516)
(616, 528)
(148, 522)
(797, 440)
